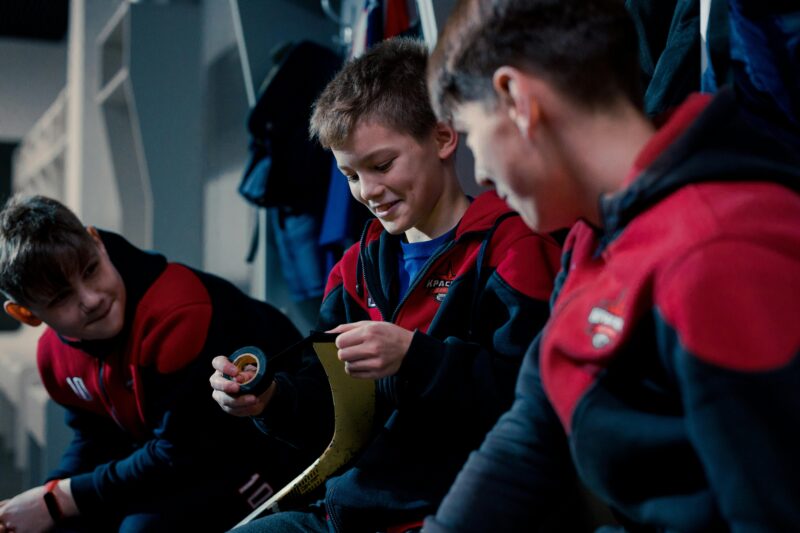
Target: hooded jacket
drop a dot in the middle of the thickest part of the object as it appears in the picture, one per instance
(148, 437)
(668, 372)
(474, 308)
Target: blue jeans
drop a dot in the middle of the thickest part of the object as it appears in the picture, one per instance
(311, 521)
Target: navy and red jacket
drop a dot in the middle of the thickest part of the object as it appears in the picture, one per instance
(148, 435)
(474, 308)
(668, 373)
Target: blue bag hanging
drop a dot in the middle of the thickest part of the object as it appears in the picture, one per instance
(254, 184)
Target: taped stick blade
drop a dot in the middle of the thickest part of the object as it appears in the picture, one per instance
(354, 413)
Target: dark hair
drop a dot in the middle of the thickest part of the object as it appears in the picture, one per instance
(587, 49)
(42, 245)
(386, 84)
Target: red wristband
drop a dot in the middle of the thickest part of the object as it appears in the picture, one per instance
(51, 502)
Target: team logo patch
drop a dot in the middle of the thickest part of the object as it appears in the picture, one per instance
(79, 388)
(605, 324)
(439, 283)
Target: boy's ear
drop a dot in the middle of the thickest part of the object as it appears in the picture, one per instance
(91, 230)
(96, 238)
(446, 139)
(21, 313)
(514, 90)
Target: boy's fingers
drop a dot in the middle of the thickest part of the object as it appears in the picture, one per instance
(352, 337)
(351, 355)
(364, 369)
(367, 364)
(222, 364)
(223, 384)
(234, 402)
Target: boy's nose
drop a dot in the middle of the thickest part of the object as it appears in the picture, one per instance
(370, 189)
(89, 299)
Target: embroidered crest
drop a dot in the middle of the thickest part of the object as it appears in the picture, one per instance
(439, 283)
(605, 323)
(79, 388)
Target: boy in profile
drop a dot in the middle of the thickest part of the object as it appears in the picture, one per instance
(668, 372)
(437, 302)
(126, 350)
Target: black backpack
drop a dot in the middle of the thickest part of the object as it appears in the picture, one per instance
(286, 168)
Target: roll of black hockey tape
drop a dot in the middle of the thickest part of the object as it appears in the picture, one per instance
(252, 357)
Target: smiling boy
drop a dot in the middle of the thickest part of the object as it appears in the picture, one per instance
(126, 349)
(437, 301)
(668, 374)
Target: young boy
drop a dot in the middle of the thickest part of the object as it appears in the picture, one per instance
(126, 351)
(668, 372)
(437, 302)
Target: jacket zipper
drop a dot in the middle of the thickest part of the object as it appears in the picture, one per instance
(101, 383)
(424, 270)
(359, 268)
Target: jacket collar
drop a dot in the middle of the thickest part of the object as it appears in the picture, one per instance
(378, 249)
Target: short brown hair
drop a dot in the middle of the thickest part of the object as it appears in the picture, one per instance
(588, 50)
(42, 245)
(387, 84)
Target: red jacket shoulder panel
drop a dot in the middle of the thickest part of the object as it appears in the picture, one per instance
(171, 323)
(732, 294)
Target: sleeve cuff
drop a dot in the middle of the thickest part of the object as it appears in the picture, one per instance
(280, 408)
(84, 493)
(417, 362)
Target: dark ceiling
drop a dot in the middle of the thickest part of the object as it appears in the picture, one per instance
(44, 20)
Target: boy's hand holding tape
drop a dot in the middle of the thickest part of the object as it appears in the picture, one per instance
(227, 390)
(370, 350)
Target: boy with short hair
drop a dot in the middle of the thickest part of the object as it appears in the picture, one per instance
(668, 372)
(437, 302)
(126, 351)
